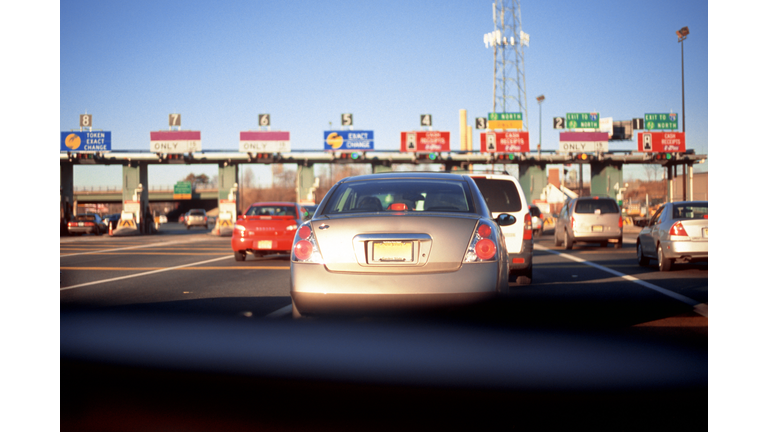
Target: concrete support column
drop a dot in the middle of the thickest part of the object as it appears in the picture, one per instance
(67, 191)
(533, 180)
(135, 174)
(606, 179)
(670, 184)
(305, 184)
(228, 174)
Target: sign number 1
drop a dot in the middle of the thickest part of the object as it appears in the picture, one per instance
(174, 120)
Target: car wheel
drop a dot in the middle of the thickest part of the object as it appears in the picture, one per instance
(239, 256)
(558, 242)
(294, 312)
(642, 260)
(568, 241)
(665, 264)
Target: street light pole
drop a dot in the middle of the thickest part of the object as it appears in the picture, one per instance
(682, 34)
(540, 99)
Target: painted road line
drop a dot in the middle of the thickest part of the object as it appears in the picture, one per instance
(145, 273)
(283, 311)
(700, 308)
(159, 268)
(128, 248)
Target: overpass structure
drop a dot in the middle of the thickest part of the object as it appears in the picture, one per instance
(606, 168)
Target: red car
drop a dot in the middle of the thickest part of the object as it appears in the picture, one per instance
(266, 228)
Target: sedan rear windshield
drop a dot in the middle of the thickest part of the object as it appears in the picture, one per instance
(690, 211)
(592, 205)
(86, 218)
(271, 211)
(400, 195)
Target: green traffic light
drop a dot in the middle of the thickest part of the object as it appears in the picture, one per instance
(668, 156)
(355, 155)
(432, 156)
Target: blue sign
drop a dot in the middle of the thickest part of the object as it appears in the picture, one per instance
(348, 140)
(86, 141)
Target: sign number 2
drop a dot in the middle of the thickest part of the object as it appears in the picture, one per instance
(559, 122)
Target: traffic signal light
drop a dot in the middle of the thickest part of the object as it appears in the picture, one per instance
(429, 157)
(663, 157)
(348, 157)
(505, 157)
(174, 158)
(583, 157)
(83, 158)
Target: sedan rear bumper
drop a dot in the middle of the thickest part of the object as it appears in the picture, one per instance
(317, 290)
(685, 249)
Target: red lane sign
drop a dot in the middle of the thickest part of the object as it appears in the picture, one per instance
(175, 141)
(661, 142)
(425, 141)
(504, 142)
(265, 141)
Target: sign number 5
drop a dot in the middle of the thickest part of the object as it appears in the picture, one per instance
(346, 119)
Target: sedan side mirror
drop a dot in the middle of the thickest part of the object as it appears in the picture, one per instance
(505, 219)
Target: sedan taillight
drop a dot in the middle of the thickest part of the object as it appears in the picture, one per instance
(678, 230)
(305, 246)
(483, 246)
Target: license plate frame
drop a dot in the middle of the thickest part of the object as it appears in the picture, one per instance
(392, 252)
(263, 244)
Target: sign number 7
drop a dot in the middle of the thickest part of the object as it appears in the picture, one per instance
(174, 120)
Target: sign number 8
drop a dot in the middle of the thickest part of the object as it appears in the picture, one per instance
(85, 120)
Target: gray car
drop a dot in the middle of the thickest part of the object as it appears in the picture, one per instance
(677, 232)
(398, 241)
(589, 220)
(196, 217)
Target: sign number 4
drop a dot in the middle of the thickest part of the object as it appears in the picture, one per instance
(426, 119)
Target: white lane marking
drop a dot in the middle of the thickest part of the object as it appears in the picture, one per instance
(126, 248)
(145, 273)
(283, 311)
(700, 308)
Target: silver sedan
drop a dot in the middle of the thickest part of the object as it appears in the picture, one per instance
(677, 232)
(398, 241)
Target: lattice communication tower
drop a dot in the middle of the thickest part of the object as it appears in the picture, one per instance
(508, 41)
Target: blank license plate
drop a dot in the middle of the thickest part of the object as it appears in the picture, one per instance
(264, 244)
(392, 251)
(597, 228)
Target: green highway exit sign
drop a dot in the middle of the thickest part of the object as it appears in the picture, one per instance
(661, 121)
(582, 120)
(505, 116)
(182, 190)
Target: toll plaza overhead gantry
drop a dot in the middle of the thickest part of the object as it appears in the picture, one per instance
(606, 169)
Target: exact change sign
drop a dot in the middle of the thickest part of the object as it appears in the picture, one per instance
(661, 121)
(582, 120)
(348, 140)
(86, 141)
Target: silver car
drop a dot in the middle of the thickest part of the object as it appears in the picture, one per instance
(677, 232)
(398, 241)
(590, 220)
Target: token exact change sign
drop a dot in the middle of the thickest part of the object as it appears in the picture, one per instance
(348, 140)
(175, 142)
(86, 141)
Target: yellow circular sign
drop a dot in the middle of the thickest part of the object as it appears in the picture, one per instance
(335, 140)
(72, 141)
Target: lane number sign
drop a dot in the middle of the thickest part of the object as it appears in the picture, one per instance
(426, 119)
(86, 120)
(346, 119)
(174, 120)
(638, 124)
(559, 122)
(264, 120)
(481, 123)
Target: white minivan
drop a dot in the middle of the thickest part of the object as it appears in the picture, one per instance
(503, 194)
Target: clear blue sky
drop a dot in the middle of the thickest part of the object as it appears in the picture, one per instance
(220, 64)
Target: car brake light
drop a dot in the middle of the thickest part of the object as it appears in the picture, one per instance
(621, 222)
(527, 227)
(483, 246)
(678, 230)
(305, 246)
(572, 221)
